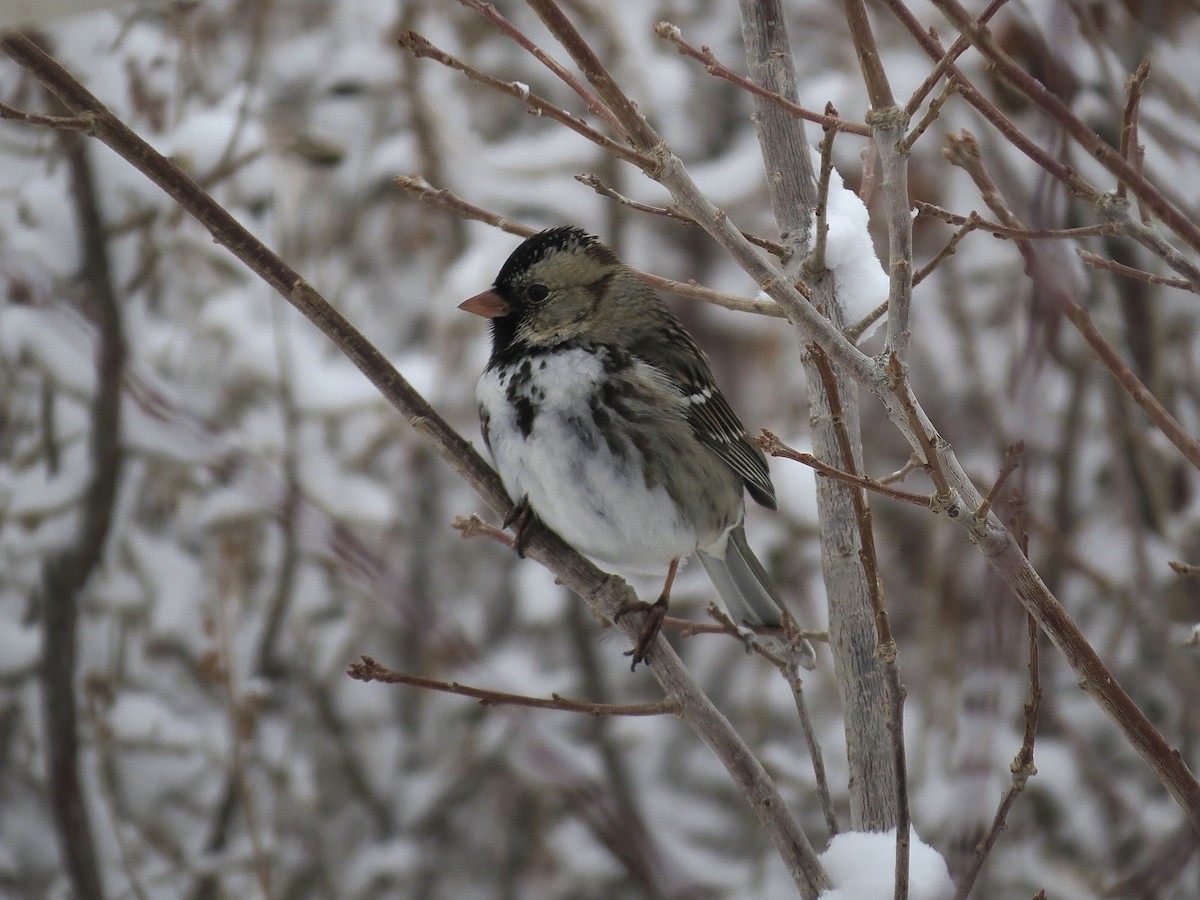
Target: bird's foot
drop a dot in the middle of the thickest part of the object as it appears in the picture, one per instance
(651, 626)
(520, 518)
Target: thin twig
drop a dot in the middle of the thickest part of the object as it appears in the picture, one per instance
(931, 115)
(796, 684)
(828, 120)
(771, 444)
(506, 28)
(423, 48)
(1182, 568)
(1012, 459)
(370, 670)
(814, 266)
(1099, 262)
(597, 185)
(1130, 149)
(82, 122)
(914, 463)
(947, 61)
(995, 229)
(948, 250)
(898, 382)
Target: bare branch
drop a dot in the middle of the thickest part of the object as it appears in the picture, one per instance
(1131, 150)
(423, 48)
(948, 59)
(594, 182)
(1012, 459)
(1099, 262)
(772, 445)
(370, 670)
(814, 265)
(885, 648)
(506, 28)
(65, 573)
(70, 123)
(829, 121)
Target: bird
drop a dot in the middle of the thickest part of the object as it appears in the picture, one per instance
(603, 419)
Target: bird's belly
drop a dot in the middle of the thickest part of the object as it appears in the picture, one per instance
(586, 482)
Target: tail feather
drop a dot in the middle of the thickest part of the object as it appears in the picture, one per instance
(742, 582)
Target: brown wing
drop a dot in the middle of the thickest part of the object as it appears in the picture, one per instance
(671, 350)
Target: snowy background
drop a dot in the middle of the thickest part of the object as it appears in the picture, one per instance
(276, 519)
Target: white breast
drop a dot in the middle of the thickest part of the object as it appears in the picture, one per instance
(584, 482)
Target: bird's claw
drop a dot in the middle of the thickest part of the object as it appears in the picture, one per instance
(520, 518)
(651, 626)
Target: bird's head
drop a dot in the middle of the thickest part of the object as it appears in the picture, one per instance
(557, 285)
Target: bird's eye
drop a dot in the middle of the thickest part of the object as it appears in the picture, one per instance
(537, 292)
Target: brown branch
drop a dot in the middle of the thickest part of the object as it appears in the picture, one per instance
(827, 120)
(948, 59)
(370, 670)
(1182, 568)
(874, 76)
(632, 122)
(931, 115)
(1012, 459)
(1130, 148)
(948, 250)
(772, 445)
(944, 498)
(421, 47)
(814, 266)
(65, 573)
(1099, 262)
(1006, 231)
(929, 42)
(814, 749)
(506, 28)
(595, 183)
(70, 123)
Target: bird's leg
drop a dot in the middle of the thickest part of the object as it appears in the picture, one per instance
(655, 613)
(520, 517)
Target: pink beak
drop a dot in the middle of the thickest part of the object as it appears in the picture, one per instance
(489, 304)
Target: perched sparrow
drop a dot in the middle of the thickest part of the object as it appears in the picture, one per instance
(603, 419)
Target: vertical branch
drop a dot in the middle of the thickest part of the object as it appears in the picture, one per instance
(65, 574)
(888, 125)
(885, 648)
(794, 196)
